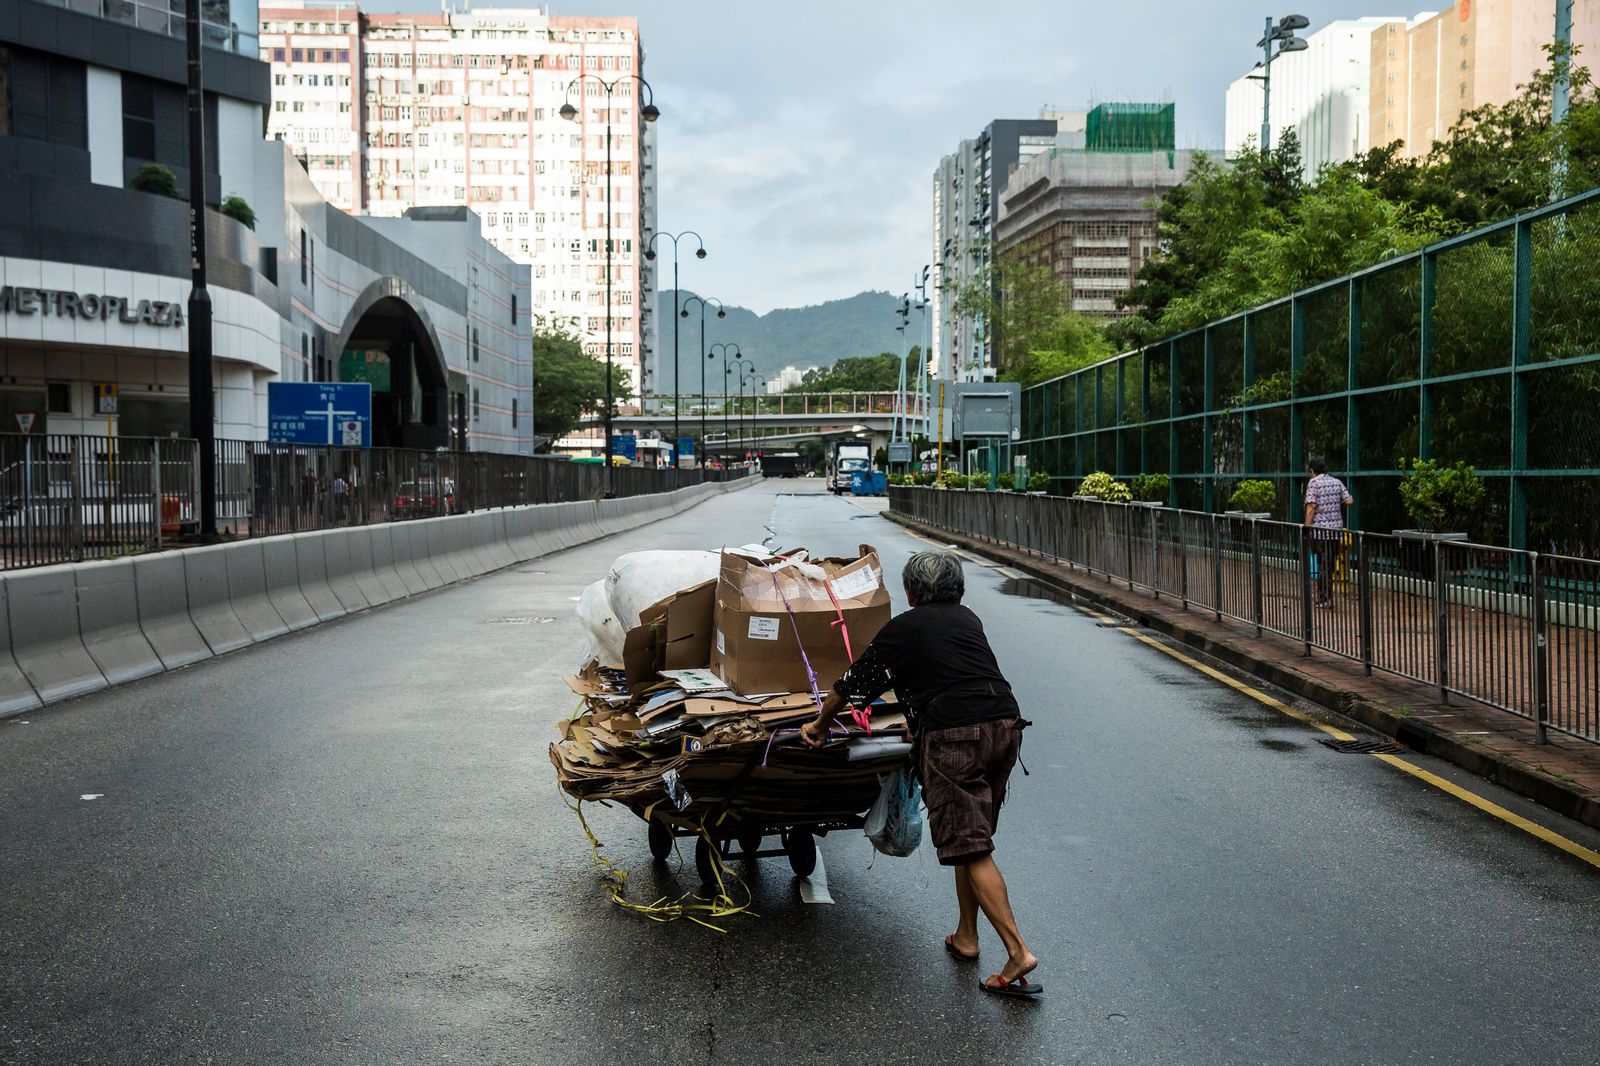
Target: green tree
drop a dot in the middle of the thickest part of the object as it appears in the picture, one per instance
(568, 384)
(859, 373)
(1037, 334)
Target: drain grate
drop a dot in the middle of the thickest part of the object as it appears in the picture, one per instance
(1364, 747)
(519, 620)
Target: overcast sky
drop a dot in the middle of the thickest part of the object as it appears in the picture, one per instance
(800, 138)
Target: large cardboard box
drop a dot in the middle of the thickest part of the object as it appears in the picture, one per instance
(758, 637)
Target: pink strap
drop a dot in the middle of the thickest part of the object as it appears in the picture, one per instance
(862, 716)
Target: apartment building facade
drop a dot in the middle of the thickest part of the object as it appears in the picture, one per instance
(395, 111)
(1427, 73)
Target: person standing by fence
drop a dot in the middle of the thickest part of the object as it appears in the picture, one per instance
(1326, 499)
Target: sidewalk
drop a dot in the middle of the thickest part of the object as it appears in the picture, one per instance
(1563, 775)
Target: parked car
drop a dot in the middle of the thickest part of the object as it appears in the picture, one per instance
(423, 499)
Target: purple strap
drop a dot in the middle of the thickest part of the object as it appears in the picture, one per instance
(811, 674)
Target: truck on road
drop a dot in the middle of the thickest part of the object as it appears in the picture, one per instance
(849, 457)
(781, 464)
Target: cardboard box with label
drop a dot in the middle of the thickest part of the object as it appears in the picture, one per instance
(768, 607)
(674, 634)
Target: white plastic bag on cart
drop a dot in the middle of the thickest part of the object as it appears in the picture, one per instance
(639, 579)
(600, 622)
(894, 825)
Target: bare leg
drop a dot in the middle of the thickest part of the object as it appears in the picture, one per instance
(965, 938)
(983, 876)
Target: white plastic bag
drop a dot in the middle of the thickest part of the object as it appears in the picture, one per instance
(639, 579)
(600, 621)
(894, 825)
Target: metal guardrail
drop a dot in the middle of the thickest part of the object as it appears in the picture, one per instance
(1516, 630)
(66, 498)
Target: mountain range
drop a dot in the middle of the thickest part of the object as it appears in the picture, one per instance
(863, 324)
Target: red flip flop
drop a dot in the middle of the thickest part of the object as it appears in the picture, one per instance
(1020, 988)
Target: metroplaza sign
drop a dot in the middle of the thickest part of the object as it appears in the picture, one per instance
(16, 300)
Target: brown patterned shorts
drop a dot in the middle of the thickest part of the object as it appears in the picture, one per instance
(964, 774)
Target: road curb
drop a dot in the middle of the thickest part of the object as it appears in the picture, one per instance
(1563, 797)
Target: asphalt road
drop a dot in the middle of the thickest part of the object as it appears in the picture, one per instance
(345, 846)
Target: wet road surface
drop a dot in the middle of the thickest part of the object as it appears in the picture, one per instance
(345, 846)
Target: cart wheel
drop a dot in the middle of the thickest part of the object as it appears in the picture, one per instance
(703, 862)
(660, 841)
(749, 844)
(802, 849)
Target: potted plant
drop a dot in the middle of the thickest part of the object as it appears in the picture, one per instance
(156, 179)
(1102, 486)
(1441, 500)
(1253, 498)
(1007, 482)
(1150, 490)
(1039, 482)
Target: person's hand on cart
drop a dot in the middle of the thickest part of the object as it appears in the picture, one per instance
(815, 732)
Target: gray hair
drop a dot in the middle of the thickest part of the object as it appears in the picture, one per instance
(934, 577)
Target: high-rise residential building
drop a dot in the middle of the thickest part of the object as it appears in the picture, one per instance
(1085, 208)
(1321, 93)
(967, 186)
(1427, 73)
(394, 111)
(787, 378)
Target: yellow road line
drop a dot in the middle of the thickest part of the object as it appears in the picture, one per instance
(1549, 836)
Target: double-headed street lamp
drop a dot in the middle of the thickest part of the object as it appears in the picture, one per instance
(1283, 36)
(742, 366)
(649, 112)
(728, 352)
(702, 300)
(699, 253)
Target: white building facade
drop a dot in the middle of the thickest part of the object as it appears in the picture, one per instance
(394, 111)
(1322, 93)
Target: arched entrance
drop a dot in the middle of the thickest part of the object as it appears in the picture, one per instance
(388, 342)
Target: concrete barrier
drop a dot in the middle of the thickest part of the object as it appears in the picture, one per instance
(247, 591)
(437, 539)
(499, 545)
(383, 562)
(405, 568)
(415, 540)
(108, 619)
(336, 549)
(16, 691)
(43, 609)
(205, 575)
(359, 539)
(162, 593)
(313, 568)
(283, 583)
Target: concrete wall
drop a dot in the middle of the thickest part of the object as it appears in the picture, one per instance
(69, 630)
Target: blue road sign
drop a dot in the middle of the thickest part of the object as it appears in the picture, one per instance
(320, 412)
(625, 445)
(685, 445)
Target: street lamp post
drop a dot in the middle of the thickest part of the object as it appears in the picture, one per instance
(202, 422)
(743, 366)
(724, 349)
(649, 113)
(1283, 36)
(685, 314)
(699, 253)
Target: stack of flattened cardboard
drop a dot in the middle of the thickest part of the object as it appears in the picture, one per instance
(669, 732)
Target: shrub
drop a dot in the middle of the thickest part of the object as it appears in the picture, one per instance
(1254, 495)
(924, 477)
(1039, 481)
(1008, 482)
(156, 179)
(1151, 488)
(1102, 486)
(949, 479)
(237, 209)
(1441, 499)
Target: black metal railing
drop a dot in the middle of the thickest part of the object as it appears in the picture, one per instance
(1516, 630)
(66, 498)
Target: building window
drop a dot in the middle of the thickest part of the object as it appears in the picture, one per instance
(305, 259)
(44, 98)
(474, 344)
(514, 295)
(58, 398)
(476, 409)
(513, 412)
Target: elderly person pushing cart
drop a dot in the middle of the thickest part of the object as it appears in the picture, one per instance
(968, 731)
